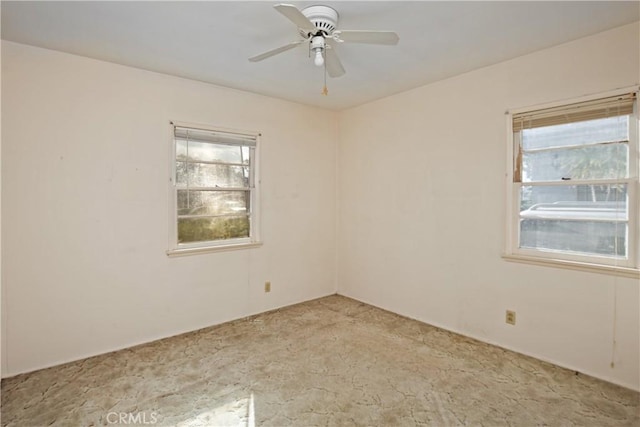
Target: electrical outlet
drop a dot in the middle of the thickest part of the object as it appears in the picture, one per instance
(267, 286)
(510, 317)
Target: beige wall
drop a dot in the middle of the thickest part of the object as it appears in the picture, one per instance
(85, 168)
(421, 212)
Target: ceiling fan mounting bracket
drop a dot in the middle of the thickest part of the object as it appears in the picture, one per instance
(324, 18)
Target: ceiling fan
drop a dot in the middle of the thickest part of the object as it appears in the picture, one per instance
(317, 27)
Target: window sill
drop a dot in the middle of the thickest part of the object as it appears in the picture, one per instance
(632, 273)
(207, 249)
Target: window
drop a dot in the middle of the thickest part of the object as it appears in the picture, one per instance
(214, 189)
(573, 184)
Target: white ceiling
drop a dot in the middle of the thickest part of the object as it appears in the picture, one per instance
(211, 41)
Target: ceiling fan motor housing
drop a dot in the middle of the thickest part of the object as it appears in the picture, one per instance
(324, 18)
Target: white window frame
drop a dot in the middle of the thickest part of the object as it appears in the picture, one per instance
(607, 265)
(180, 249)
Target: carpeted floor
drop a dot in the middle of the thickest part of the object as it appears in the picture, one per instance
(327, 362)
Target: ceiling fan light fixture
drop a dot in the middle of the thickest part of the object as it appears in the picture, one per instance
(319, 59)
(318, 46)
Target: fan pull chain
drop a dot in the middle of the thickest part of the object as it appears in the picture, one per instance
(325, 91)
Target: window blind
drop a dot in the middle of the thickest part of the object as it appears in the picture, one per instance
(214, 137)
(618, 105)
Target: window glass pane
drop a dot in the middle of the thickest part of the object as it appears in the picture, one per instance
(207, 175)
(181, 173)
(181, 150)
(588, 162)
(245, 155)
(578, 237)
(202, 151)
(212, 202)
(589, 197)
(579, 133)
(208, 229)
(207, 166)
(585, 219)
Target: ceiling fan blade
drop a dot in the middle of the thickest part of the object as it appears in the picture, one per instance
(373, 37)
(294, 15)
(333, 64)
(275, 51)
